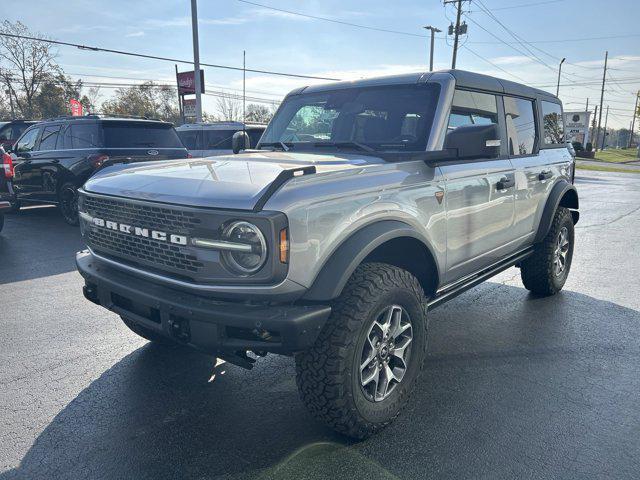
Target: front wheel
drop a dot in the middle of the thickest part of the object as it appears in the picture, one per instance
(359, 374)
(546, 271)
(68, 203)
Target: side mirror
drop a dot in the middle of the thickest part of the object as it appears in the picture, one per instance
(475, 141)
(240, 141)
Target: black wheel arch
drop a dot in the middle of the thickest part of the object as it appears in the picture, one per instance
(387, 241)
(563, 194)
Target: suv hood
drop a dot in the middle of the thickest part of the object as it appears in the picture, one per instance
(233, 181)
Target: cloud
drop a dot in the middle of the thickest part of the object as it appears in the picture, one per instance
(139, 33)
(512, 60)
(186, 21)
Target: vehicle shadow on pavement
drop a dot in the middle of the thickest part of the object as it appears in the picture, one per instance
(514, 387)
(36, 242)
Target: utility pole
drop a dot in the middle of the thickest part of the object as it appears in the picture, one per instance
(586, 109)
(179, 96)
(559, 71)
(604, 133)
(434, 30)
(196, 60)
(633, 122)
(457, 30)
(593, 129)
(604, 77)
(244, 90)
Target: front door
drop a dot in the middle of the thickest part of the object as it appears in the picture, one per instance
(479, 195)
(25, 181)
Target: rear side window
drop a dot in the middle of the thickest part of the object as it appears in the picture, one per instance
(521, 125)
(553, 123)
(472, 108)
(190, 138)
(79, 135)
(49, 138)
(254, 135)
(5, 132)
(218, 139)
(140, 135)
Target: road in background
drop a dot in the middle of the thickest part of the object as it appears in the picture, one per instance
(514, 386)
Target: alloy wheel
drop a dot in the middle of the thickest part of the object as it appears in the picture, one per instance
(560, 252)
(385, 353)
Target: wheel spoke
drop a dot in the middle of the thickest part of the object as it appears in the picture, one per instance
(371, 375)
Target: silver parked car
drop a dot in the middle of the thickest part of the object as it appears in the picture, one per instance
(365, 205)
(215, 138)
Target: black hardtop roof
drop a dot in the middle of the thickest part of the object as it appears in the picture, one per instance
(463, 78)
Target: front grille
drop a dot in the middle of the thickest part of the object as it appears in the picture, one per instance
(137, 249)
(155, 217)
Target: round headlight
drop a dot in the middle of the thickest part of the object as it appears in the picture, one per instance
(246, 233)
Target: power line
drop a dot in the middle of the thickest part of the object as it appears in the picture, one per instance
(166, 59)
(331, 20)
(528, 5)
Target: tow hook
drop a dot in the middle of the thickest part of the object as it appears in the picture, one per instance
(179, 328)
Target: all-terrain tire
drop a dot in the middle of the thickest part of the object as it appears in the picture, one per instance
(147, 334)
(328, 374)
(538, 272)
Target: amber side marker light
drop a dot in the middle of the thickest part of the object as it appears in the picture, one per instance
(284, 245)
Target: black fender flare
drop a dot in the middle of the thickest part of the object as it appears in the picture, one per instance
(563, 194)
(337, 270)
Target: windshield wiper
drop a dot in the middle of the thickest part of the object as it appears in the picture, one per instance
(281, 145)
(349, 144)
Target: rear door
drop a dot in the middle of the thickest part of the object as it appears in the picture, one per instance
(25, 181)
(533, 163)
(139, 141)
(479, 212)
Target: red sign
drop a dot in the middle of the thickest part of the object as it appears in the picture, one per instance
(76, 108)
(187, 83)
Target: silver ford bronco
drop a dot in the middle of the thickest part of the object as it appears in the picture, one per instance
(365, 205)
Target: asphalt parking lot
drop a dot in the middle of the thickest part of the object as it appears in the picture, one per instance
(514, 387)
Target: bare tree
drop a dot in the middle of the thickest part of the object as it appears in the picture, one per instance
(229, 108)
(24, 66)
(93, 96)
(144, 100)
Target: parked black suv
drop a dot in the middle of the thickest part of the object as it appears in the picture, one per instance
(53, 158)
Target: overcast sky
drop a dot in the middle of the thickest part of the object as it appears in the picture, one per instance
(280, 41)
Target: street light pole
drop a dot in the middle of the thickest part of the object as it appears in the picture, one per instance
(433, 30)
(196, 60)
(559, 71)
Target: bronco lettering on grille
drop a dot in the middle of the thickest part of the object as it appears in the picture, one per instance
(139, 231)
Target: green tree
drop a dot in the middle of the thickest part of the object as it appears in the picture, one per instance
(54, 95)
(144, 100)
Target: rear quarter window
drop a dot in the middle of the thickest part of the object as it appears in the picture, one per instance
(553, 124)
(190, 138)
(140, 135)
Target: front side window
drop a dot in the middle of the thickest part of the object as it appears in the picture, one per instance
(521, 125)
(28, 141)
(553, 123)
(49, 138)
(383, 118)
(5, 131)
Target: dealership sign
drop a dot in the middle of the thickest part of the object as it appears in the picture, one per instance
(189, 107)
(576, 126)
(187, 83)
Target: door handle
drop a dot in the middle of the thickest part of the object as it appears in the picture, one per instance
(505, 183)
(544, 175)
(55, 160)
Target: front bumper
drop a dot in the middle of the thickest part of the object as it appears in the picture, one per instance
(204, 323)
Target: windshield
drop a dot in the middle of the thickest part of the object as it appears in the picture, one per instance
(140, 135)
(382, 118)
